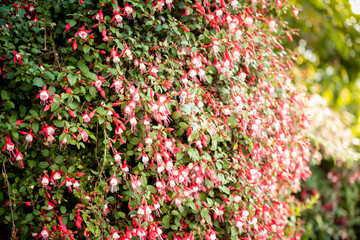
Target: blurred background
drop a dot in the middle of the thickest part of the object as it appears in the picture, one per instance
(329, 68)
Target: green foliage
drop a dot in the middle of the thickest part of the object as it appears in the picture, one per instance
(336, 214)
(329, 50)
(148, 120)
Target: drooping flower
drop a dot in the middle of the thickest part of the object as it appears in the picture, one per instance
(9, 146)
(83, 33)
(44, 234)
(114, 181)
(19, 159)
(44, 95)
(128, 10)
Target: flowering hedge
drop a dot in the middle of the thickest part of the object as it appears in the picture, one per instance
(149, 119)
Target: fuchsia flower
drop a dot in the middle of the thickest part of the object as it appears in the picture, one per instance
(67, 27)
(87, 117)
(128, 10)
(18, 58)
(84, 135)
(135, 183)
(49, 132)
(68, 182)
(19, 158)
(219, 212)
(45, 180)
(153, 70)
(141, 65)
(133, 123)
(118, 84)
(29, 137)
(63, 229)
(117, 18)
(126, 52)
(55, 175)
(117, 157)
(44, 96)
(83, 33)
(98, 84)
(99, 16)
(50, 206)
(169, 4)
(115, 234)
(295, 11)
(115, 56)
(114, 181)
(234, 4)
(44, 234)
(211, 235)
(9, 146)
(155, 231)
(144, 211)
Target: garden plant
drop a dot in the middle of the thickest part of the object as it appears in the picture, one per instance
(156, 119)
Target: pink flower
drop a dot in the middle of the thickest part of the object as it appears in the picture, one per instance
(18, 57)
(84, 135)
(44, 96)
(83, 33)
(44, 234)
(45, 180)
(113, 183)
(128, 10)
(9, 146)
(19, 158)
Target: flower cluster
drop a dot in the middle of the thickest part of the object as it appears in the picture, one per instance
(160, 119)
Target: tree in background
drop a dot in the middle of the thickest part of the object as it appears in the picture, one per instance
(329, 49)
(149, 119)
(328, 43)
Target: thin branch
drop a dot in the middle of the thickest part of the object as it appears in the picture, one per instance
(9, 193)
(45, 49)
(96, 146)
(102, 168)
(56, 54)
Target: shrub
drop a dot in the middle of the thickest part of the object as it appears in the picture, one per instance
(149, 119)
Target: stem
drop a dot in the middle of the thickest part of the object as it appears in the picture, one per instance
(96, 147)
(9, 193)
(102, 168)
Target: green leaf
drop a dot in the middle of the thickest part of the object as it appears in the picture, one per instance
(71, 169)
(43, 165)
(92, 91)
(37, 212)
(5, 95)
(54, 106)
(204, 212)
(158, 28)
(38, 82)
(63, 209)
(130, 153)
(85, 70)
(58, 123)
(9, 105)
(35, 127)
(31, 163)
(165, 221)
(141, 166)
(29, 217)
(135, 141)
(49, 75)
(72, 79)
(59, 159)
(86, 49)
